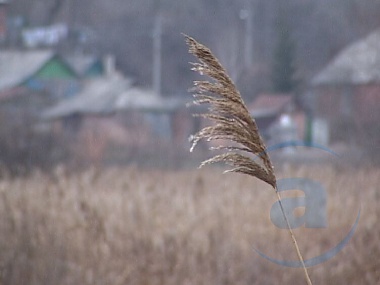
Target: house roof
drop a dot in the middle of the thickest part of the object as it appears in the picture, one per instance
(80, 63)
(18, 66)
(146, 100)
(109, 94)
(359, 63)
(269, 104)
(97, 96)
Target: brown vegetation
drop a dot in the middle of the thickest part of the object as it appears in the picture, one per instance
(190, 227)
(233, 123)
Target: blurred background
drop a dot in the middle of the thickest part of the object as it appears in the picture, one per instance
(97, 184)
(96, 82)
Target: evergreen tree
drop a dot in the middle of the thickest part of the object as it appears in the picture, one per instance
(283, 68)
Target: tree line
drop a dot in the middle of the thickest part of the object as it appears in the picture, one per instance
(242, 33)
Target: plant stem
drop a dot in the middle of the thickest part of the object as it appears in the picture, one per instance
(308, 280)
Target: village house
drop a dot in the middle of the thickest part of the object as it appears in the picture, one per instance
(29, 82)
(110, 112)
(347, 91)
(279, 117)
(88, 65)
(42, 72)
(35, 71)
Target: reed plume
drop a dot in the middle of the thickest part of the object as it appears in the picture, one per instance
(233, 123)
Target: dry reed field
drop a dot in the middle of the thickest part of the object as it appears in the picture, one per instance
(126, 226)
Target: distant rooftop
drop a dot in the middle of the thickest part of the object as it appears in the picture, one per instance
(98, 96)
(269, 104)
(359, 63)
(105, 95)
(18, 66)
(80, 63)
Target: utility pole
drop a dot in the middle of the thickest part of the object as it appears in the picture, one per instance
(247, 15)
(157, 42)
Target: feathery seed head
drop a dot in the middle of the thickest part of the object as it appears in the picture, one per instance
(233, 121)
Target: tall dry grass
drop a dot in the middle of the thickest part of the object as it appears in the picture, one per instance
(123, 226)
(234, 123)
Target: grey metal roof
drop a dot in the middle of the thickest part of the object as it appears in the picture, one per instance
(359, 63)
(18, 66)
(98, 96)
(110, 94)
(80, 63)
(146, 100)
